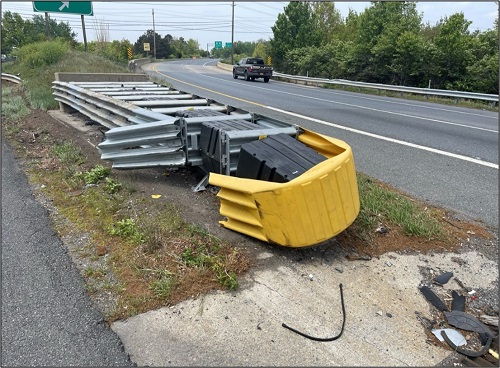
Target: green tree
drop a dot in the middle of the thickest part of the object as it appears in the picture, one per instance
(148, 37)
(328, 20)
(295, 28)
(407, 64)
(60, 30)
(453, 44)
(482, 73)
(261, 49)
(380, 26)
(17, 32)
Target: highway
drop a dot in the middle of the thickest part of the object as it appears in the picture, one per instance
(442, 154)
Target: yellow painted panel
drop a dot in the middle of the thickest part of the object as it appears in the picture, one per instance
(312, 208)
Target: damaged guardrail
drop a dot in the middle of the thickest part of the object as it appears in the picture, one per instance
(279, 182)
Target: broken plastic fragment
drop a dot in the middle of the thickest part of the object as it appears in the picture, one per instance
(433, 298)
(458, 302)
(155, 196)
(444, 278)
(456, 337)
(466, 322)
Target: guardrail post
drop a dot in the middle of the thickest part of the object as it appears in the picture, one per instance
(62, 106)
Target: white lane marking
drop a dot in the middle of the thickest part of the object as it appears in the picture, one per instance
(372, 109)
(333, 92)
(392, 140)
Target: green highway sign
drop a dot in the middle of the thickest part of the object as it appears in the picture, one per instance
(71, 7)
(228, 44)
(218, 44)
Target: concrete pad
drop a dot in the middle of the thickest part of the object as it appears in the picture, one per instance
(244, 328)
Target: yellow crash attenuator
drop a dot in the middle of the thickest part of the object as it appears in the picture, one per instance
(308, 210)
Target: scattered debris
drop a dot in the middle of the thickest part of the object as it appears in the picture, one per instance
(381, 229)
(444, 278)
(379, 313)
(460, 283)
(463, 351)
(328, 338)
(454, 335)
(426, 322)
(388, 264)
(433, 298)
(339, 269)
(489, 320)
(466, 321)
(388, 315)
(458, 302)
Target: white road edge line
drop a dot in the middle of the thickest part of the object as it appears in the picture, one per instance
(392, 140)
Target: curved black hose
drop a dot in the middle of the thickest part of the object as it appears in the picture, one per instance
(320, 338)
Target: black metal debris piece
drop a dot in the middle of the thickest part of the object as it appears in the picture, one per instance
(466, 321)
(433, 298)
(457, 302)
(444, 278)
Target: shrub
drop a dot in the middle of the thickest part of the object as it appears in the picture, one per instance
(36, 55)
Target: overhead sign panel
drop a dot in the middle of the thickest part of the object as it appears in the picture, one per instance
(218, 44)
(68, 7)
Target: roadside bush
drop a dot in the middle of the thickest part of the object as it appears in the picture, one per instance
(36, 55)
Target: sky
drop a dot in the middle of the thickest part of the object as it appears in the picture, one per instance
(210, 21)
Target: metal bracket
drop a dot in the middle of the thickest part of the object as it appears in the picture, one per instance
(201, 186)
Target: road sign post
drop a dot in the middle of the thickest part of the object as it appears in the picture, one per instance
(68, 7)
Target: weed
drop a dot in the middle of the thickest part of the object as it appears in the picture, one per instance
(93, 272)
(163, 287)
(379, 204)
(68, 153)
(225, 278)
(112, 186)
(127, 229)
(96, 174)
(14, 107)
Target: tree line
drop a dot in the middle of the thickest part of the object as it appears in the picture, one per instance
(386, 43)
(18, 32)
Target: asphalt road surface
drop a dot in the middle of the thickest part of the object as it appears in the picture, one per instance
(445, 155)
(47, 318)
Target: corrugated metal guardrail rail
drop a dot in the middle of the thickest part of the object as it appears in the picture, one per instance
(152, 125)
(11, 78)
(422, 91)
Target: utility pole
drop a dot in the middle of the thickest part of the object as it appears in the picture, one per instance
(154, 36)
(232, 37)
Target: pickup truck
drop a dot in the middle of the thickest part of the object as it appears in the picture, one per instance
(252, 68)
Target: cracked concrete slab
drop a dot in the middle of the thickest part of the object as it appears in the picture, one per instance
(244, 328)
